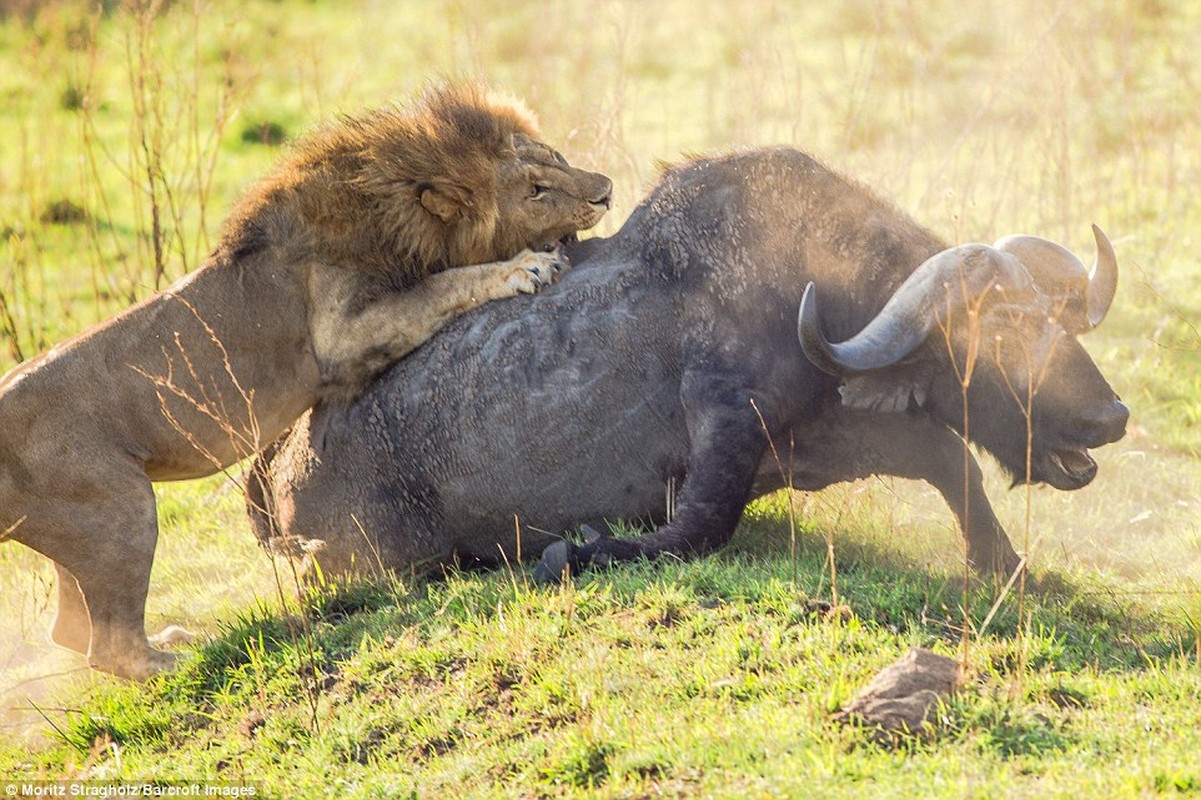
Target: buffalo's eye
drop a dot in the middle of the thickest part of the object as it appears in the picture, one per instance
(537, 190)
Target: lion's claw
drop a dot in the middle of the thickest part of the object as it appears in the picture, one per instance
(535, 271)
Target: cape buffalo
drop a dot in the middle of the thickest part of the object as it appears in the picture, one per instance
(670, 355)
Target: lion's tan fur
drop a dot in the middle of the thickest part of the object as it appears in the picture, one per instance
(367, 238)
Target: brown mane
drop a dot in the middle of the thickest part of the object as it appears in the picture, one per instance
(359, 181)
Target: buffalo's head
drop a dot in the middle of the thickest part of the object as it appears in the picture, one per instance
(997, 324)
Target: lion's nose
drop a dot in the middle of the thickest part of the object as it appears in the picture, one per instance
(604, 198)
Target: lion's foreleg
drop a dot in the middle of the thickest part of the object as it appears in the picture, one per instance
(352, 350)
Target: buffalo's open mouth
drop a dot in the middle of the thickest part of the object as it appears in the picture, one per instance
(1070, 468)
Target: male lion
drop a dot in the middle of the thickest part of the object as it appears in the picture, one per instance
(333, 267)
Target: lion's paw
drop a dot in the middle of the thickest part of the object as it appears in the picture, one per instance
(137, 666)
(532, 272)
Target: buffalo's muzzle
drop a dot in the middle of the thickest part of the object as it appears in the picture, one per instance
(1105, 424)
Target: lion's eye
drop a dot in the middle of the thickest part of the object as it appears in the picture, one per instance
(537, 190)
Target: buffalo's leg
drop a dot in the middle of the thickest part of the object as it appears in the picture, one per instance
(940, 458)
(727, 442)
(71, 629)
(882, 444)
(989, 550)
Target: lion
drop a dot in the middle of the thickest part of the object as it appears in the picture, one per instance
(364, 241)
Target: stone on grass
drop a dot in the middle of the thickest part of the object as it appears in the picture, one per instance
(900, 698)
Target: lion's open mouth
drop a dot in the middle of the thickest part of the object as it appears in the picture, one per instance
(550, 247)
(1076, 467)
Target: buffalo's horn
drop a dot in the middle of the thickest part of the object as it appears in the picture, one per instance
(1102, 280)
(1059, 273)
(907, 318)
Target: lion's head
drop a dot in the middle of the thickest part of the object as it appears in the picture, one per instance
(460, 177)
(457, 177)
(541, 199)
(487, 187)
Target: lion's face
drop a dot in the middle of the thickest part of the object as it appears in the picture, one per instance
(542, 200)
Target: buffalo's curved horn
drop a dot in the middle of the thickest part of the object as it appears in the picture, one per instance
(907, 318)
(1102, 280)
(1059, 273)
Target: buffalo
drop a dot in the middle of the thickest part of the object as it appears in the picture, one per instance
(673, 355)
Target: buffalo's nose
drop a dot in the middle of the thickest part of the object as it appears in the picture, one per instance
(1108, 423)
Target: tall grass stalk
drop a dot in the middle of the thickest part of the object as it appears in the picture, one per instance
(147, 176)
(172, 147)
(8, 322)
(963, 373)
(787, 474)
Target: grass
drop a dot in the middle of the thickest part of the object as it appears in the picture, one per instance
(126, 134)
(714, 677)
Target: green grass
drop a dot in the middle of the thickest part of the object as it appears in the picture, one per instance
(714, 678)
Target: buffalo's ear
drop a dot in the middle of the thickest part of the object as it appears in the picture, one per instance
(886, 390)
(442, 204)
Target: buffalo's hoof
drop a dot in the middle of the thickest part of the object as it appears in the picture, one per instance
(557, 561)
(996, 565)
(590, 534)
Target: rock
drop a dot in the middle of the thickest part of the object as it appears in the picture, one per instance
(899, 698)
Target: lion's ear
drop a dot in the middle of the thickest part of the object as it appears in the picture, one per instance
(441, 205)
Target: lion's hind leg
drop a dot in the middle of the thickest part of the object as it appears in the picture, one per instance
(71, 629)
(106, 549)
